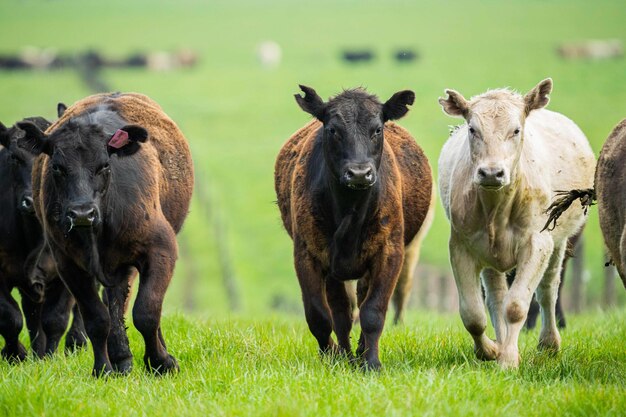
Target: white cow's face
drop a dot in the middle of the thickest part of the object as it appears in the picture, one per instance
(495, 130)
(494, 133)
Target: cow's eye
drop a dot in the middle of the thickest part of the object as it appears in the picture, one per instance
(472, 130)
(379, 130)
(516, 131)
(57, 169)
(332, 130)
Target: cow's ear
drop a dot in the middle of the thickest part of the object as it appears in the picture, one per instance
(35, 141)
(126, 141)
(396, 106)
(4, 136)
(311, 102)
(537, 98)
(455, 104)
(61, 109)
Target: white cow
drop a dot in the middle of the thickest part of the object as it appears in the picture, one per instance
(497, 175)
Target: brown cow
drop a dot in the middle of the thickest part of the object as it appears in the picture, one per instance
(112, 188)
(353, 192)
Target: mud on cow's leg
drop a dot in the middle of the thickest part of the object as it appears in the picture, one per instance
(92, 309)
(471, 305)
(533, 258)
(118, 346)
(316, 309)
(10, 326)
(155, 277)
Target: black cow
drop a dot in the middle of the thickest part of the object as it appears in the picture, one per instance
(20, 237)
(112, 187)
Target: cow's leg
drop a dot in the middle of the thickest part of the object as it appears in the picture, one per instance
(382, 281)
(560, 315)
(155, 277)
(471, 304)
(532, 261)
(55, 314)
(496, 288)
(547, 293)
(32, 314)
(341, 310)
(76, 336)
(316, 309)
(11, 324)
(94, 312)
(115, 299)
(405, 280)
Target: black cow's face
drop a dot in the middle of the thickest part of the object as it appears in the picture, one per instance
(20, 163)
(80, 155)
(353, 132)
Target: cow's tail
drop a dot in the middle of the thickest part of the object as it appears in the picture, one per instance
(565, 199)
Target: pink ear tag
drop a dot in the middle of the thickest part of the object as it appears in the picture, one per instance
(119, 139)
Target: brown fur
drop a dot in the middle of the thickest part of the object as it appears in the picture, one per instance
(404, 203)
(142, 219)
(610, 181)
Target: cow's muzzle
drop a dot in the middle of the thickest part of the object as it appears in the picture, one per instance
(82, 216)
(359, 176)
(492, 177)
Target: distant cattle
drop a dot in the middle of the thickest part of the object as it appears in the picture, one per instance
(497, 175)
(112, 188)
(20, 238)
(354, 191)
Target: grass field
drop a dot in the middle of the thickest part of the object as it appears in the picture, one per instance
(236, 116)
(270, 367)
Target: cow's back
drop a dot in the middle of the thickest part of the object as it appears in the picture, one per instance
(175, 165)
(610, 181)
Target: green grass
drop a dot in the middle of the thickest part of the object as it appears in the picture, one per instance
(270, 367)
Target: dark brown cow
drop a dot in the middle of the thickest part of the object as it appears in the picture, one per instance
(112, 188)
(353, 192)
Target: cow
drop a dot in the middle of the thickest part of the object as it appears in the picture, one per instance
(353, 190)
(20, 237)
(497, 174)
(112, 186)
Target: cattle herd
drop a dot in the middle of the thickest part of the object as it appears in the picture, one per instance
(94, 200)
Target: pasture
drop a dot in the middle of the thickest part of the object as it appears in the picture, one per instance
(236, 116)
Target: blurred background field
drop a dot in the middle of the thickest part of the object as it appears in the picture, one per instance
(237, 113)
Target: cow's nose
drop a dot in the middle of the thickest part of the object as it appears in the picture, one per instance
(27, 204)
(82, 216)
(491, 177)
(359, 177)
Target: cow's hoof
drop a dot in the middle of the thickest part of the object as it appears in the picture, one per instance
(162, 366)
(372, 365)
(102, 371)
(509, 359)
(549, 343)
(123, 366)
(487, 351)
(14, 354)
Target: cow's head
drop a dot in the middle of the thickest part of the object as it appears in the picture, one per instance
(80, 151)
(353, 131)
(495, 129)
(20, 162)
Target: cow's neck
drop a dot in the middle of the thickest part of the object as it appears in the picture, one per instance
(351, 212)
(496, 207)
